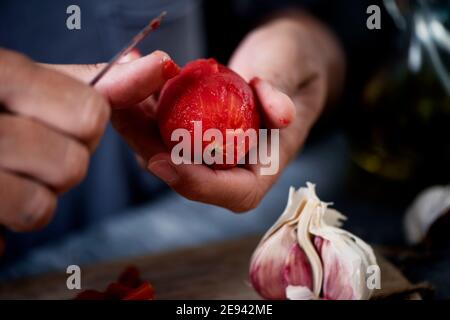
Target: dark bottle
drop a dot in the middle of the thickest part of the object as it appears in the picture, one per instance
(403, 127)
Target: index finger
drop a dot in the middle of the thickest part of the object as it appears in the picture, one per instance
(127, 83)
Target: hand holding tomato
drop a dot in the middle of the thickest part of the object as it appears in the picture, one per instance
(294, 66)
(301, 67)
(132, 89)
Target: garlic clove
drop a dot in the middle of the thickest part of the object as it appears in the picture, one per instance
(277, 262)
(337, 273)
(344, 272)
(345, 257)
(297, 270)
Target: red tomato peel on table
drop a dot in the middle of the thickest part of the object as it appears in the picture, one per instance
(129, 286)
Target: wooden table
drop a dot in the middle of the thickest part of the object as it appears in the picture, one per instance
(214, 271)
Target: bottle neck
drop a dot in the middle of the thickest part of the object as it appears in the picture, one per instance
(429, 37)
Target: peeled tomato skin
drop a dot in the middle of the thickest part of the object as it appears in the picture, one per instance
(211, 93)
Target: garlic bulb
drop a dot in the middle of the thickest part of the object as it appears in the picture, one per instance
(305, 255)
(429, 206)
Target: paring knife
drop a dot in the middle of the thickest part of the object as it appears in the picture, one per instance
(152, 25)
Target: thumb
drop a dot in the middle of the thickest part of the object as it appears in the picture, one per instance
(127, 83)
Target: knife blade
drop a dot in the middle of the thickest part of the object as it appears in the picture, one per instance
(141, 35)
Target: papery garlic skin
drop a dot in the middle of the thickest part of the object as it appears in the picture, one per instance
(426, 209)
(345, 257)
(278, 262)
(306, 255)
(344, 278)
(299, 293)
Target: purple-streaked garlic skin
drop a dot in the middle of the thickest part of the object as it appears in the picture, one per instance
(277, 263)
(297, 270)
(306, 255)
(337, 272)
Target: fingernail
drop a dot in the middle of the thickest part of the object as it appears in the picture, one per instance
(161, 55)
(164, 170)
(132, 55)
(255, 81)
(37, 211)
(170, 69)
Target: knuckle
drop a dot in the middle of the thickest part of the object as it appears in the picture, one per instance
(74, 166)
(93, 68)
(193, 190)
(12, 128)
(5, 127)
(190, 191)
(11, 58)
(249, 201)
(94, 116)
(13, 67)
